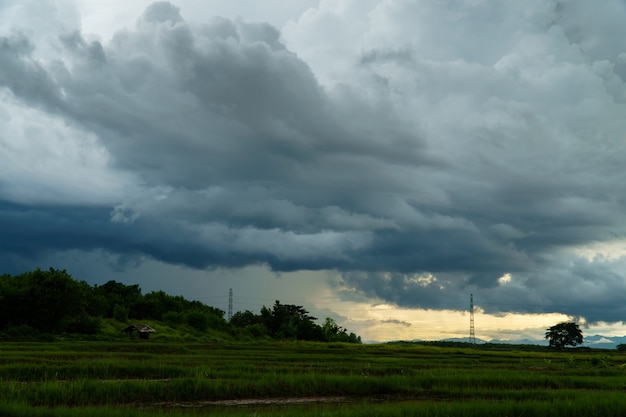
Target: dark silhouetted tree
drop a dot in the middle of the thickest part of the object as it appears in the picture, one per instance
(564, 334)
(106, 297)
(288, 321)
(245, 319)
(48, 301)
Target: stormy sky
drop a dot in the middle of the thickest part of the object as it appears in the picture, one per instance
(402, 152)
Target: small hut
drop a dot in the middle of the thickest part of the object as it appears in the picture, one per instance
(143, 330)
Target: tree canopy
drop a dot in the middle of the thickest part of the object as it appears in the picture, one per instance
(289, 321)
(564, 334)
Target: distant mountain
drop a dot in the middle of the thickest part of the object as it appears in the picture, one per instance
(594, 341)
(463, 340)
(521, 342)
(604, 342)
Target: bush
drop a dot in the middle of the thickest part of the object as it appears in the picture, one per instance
(173, 318)
(120, 313)
(197, 320)
(258, 330)
(20, 331)
(85, 324)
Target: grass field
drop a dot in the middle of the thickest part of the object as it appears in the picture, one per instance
(146, 378)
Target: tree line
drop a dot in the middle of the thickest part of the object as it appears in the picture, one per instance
(52, 302)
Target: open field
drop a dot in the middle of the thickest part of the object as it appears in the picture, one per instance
(146, 378)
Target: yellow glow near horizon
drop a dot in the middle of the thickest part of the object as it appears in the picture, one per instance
(386, 322)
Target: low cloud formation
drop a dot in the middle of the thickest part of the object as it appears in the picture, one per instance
(423, 149)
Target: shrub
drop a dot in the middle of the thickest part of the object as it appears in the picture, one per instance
(173, 318)
(84, 324)
(197, 320)
(120, 313)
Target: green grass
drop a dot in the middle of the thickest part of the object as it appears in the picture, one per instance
(144, 378)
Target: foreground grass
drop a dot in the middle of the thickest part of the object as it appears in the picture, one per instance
(146, 378)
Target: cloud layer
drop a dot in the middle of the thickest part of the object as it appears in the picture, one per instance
(422, 149)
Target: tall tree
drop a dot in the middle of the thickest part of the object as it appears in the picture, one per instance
(289, 321)
(47, 300)
(564, 334)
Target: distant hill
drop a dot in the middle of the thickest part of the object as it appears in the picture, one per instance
(594, 341)
(521, 342)
(604, 342)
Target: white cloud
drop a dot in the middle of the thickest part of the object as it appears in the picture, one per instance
(601, 340)
(44, 159)
(505, 279)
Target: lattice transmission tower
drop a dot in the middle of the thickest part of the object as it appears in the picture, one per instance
(472, 336)
(230, 304)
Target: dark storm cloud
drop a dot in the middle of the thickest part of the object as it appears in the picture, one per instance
(32, 231)
(482, 141)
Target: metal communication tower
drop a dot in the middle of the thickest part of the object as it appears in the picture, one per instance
(230, 304)
(472, 336)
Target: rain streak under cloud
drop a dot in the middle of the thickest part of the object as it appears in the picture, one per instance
(422, 150)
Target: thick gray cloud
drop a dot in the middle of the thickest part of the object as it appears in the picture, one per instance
(423, 149)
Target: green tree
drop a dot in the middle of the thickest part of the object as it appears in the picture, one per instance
(111, 294)
(197, 319)
(54, 299)
(12, 302)
(353, 338)
(289, 321)
(331, 329)
(47, 301)
(120, 313)
(245, 319)
(564, 334)
(335, 333)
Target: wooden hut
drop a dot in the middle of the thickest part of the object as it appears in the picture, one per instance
(143, 330)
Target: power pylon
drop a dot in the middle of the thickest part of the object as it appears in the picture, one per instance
(472, 336)
(230, 304)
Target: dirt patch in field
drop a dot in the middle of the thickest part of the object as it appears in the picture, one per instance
(104, 381)
(255, 402)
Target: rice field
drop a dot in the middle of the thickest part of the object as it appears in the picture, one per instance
(157, 378)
